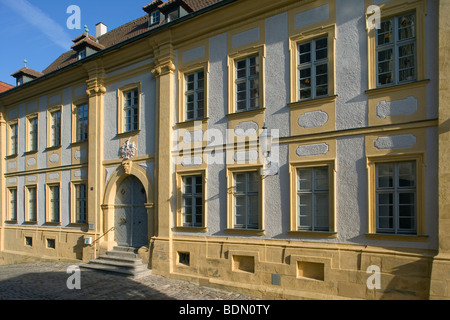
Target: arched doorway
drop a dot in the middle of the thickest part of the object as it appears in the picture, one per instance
(130, 214)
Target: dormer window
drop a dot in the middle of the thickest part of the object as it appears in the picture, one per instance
(155, 17)
(82, 54)
(19, 81)
(86, 45)
(173, 15)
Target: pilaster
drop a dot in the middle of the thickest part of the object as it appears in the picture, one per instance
(95, 92)
(440, 276)
(2, 179)
(164, 74)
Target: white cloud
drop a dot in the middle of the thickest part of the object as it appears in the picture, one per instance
(38, 19)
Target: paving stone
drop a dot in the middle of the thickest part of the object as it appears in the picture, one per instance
(48, 281)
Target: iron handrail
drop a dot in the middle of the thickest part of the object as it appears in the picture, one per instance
(93, 242)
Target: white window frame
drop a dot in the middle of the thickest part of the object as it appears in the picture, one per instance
(314, 192)
(396, 190)
(33, 134)
(80, 203)
(54, 193)
(197, 200)
(195, 92)
(32, 209)
(55, 128)
(247, 194)
(131, 121)
(395, 46)
(247, 81)
(82, 122)
(12, 202)
(313, 64)
(13, 138)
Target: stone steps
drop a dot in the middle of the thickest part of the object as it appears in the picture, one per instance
(121, 260)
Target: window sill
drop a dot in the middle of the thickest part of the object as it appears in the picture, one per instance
(395, 87)
(191, 123)
(190, 229)
(251, 112)
(11, 156)
(255, 232)
(128, 134)
(318, 234)
(78, 143)
(79, 225)
(312, 102)
(29, 153)
(53, 148)
(11, 222)
(31, 223)
(397, 237)
(52, 224)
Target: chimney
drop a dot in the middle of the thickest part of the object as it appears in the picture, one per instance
(101, 29)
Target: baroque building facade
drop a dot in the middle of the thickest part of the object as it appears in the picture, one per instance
(282, 148)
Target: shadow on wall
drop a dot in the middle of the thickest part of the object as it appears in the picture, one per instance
(94, 286)
(410, 281)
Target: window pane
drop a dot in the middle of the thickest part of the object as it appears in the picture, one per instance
(305, 179)
(322, 212)
(253, 184)
(305, 211)
(240, 182)
(407, 174)
(321, 179)
(407, 26)
(385, 35)
(385, 175)
(253, 211)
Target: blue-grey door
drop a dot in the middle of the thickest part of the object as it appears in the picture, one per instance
(131, 221)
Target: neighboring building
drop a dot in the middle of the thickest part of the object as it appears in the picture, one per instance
(5, 87)
(283, 148)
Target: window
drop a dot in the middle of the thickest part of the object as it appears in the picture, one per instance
(82, 54)
(195, 95)
(396, 50)
(32, 204)
(82, 122)
(313, 199)
(55, 129)
(131, 110)
(154, 17)
(247, 83)
(313, 69)
(193, 201)
(246, 200)
(13, 139)
(396, 197)
(80, 203)
(19, 81)
(13, 204)
(53, 204)
(32, 134)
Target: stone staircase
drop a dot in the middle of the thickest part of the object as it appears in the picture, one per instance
(122, 261)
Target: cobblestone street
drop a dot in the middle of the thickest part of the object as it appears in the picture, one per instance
(48, 281)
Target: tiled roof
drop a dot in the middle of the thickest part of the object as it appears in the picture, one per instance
(5, 87)
(29, 72)
(124, 32)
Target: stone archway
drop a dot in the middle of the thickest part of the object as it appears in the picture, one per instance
(109, 202)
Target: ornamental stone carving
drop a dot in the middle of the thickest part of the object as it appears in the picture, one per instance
(128, 150)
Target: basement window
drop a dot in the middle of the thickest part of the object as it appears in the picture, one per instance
(51, 244)
(29, 241)
(184, 258)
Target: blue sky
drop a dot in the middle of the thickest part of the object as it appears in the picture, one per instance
(36, 30)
